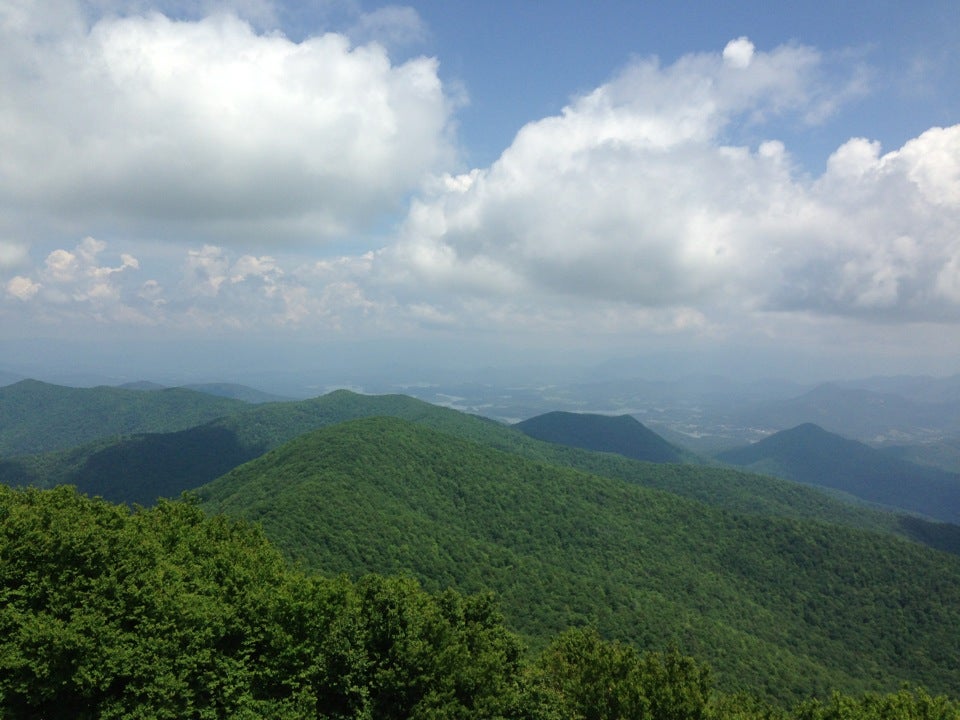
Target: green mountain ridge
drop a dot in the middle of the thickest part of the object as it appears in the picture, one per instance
(237, 392)
(39, 417)
(810, 454)
(944, 454)
(141, 468)
(168, 613)
(621, 434)
(780, 607)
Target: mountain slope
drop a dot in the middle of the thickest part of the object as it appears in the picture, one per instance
(237, 392)
(944, 454)
(810, 454)
(141, 468)
(40, 417)
(620, 434)
(776, 606)
(859, 413)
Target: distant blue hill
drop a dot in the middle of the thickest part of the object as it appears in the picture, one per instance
(867, 415)
(237, 392)
(142, 385)
(810, 454)
(621, 434)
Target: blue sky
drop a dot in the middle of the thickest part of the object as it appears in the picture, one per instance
(753, 189)
(524, 60)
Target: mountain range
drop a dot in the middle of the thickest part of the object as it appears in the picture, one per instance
(563, 548)
(140, 468)
(38, 417)
(783, 589)
(863, 414)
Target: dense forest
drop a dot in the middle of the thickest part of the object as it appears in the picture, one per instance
(779, 607)
(141, 467)
(359, 556)
(810, 454)
(171, 613)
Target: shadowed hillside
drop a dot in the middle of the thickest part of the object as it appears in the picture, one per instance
(141, 468)
(621, 434)
(810, 454)
(39, 417)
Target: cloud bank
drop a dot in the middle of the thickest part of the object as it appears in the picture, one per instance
(655, 203)
(632, 197)
(209, 127)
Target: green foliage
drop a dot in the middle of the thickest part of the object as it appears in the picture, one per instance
(141, 468)
(908, 704)
(622, 434)
(167, 613)
(38, 417)
(783, 608)
(810, 454)
(596, 680)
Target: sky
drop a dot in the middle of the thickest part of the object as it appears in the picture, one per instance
(216, 189)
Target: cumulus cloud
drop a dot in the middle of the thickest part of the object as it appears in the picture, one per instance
(22, 288)
(77, 284)
(738, 53)
(634, 209)
(209, 123)
(213, 288)
(632, 198)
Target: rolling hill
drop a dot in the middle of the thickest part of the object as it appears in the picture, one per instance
(810, 454)
(140, 468)
(944, 454)
(39, 417)
(776, 606)
(237, 392)
(621, 434)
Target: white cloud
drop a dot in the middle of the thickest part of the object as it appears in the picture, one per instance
(75, 285)
(630, 198)
(22, 288)
(738, 53)
(209, 124)
(634, 211)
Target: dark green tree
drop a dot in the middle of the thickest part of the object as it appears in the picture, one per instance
(594, 679)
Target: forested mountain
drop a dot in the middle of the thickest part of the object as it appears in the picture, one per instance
(237, 392)
(621, 434)
(944, 454)
(780, 607)
(922, 388)
(227, 390)
(168, 614)
(141, 468)
(146, 385)
(39, 417)
(810, 454)
(865, 415)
